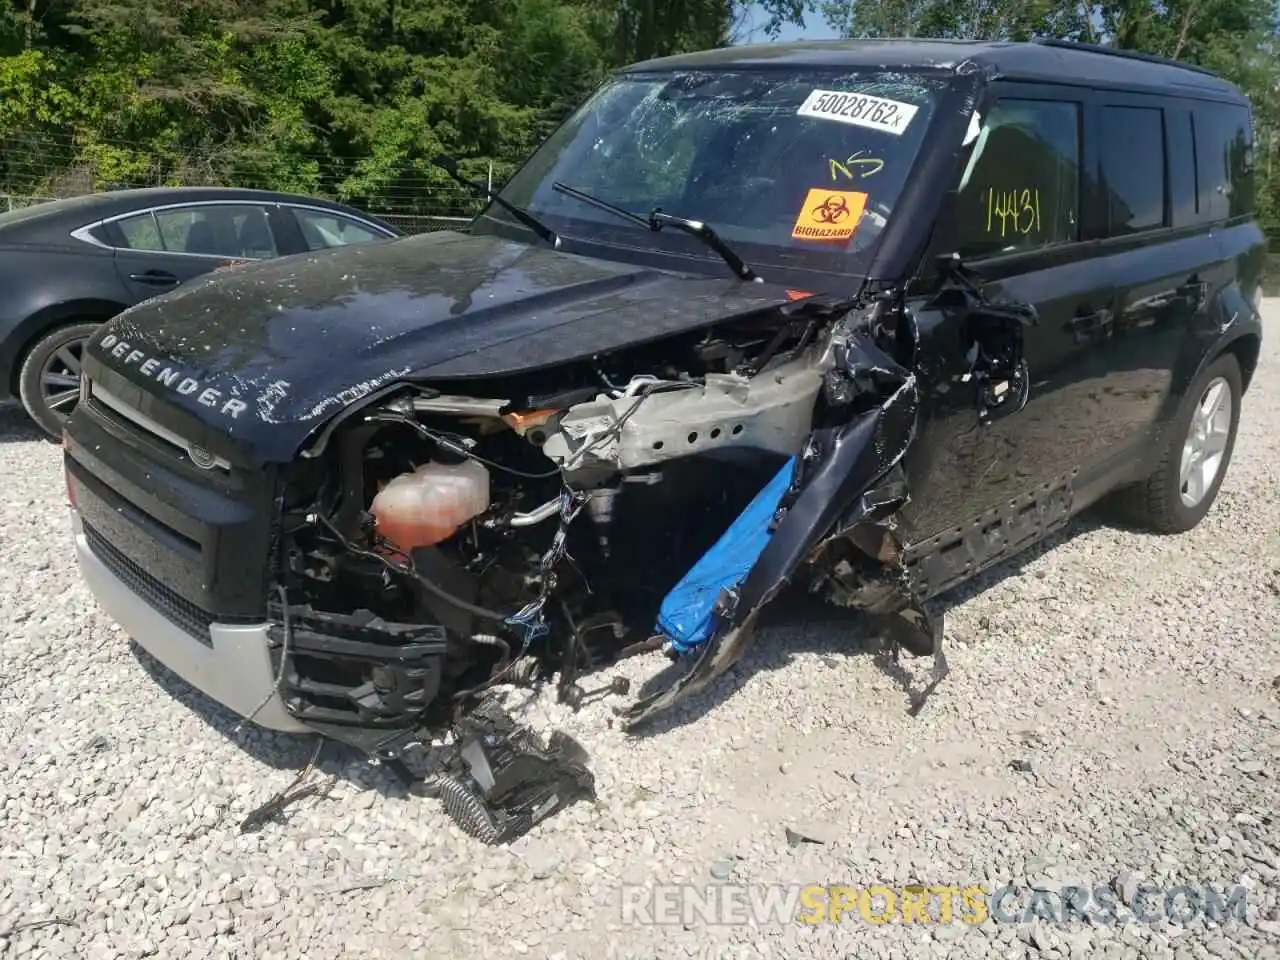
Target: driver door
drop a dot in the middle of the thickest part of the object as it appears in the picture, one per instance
(1020, 220)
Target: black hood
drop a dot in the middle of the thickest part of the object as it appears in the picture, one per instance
(267, 352)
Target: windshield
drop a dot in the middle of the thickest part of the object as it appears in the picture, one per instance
(794, 168)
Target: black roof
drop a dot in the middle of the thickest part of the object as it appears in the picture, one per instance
(55, 218)
(1045, 60)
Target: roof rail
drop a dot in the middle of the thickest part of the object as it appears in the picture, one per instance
(1129, 54)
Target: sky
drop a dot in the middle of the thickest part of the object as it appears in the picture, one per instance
(814, 29)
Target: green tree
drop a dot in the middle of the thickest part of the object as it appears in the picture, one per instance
(351, 98)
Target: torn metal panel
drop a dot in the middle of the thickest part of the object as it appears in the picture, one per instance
(770, 411)
(839, 466)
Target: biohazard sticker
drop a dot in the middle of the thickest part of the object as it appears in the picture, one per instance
(860, 110)
(829, 215)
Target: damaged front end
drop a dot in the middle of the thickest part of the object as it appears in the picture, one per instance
(442, 539)
(828, 515)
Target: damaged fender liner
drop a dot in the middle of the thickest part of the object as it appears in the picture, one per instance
(401, 664)
(839, 466)
(500, 781)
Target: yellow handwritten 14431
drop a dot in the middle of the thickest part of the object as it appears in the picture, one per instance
(1013, 211)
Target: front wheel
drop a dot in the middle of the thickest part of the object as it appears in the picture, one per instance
(1183, 487)
(49, 382)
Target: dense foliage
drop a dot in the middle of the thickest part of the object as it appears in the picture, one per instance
(351, 98)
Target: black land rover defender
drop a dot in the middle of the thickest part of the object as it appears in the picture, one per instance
(856, 318)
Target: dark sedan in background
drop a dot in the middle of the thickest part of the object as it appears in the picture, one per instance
(67, 266)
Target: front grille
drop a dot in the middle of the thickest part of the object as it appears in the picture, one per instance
(177, 610)
(111, 407)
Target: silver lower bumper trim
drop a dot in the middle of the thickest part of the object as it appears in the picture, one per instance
(236, 671)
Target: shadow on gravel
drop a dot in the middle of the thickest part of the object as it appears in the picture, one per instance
(281, 751)
(832, 632)
(16, 426)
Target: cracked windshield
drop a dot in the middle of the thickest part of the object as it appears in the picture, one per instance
(779, 165)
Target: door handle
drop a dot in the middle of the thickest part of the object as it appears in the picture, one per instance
(1090, 326)
(155, 278)
(1194, 293)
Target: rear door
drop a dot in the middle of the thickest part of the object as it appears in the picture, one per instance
(158, 249)
(1165, 263)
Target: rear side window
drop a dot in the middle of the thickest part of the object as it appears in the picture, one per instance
(1224, 161)
(1131, 144)
(325, 230)
(141, 232)
(1020, 189)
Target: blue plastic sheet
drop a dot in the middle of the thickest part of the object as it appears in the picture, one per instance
(687, 614)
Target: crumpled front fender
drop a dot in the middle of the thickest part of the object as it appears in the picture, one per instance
(839, 466)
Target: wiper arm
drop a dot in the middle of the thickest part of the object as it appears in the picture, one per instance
(696, 228)
(599, 204)
(657, 220)
(450, 166)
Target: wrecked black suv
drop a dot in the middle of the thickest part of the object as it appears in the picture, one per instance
(856, 319)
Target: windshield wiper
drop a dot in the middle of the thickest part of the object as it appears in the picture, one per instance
(450, 166)
(657, 220)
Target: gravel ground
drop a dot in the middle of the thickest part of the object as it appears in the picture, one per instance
(1113, 716)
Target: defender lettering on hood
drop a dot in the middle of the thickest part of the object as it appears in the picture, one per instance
(171, 377)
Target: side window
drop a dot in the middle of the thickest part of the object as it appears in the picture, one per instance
(325, 230)
(1224, 161)
(239, 232)
(1131, 140)
(1020, 189)
(141, 232)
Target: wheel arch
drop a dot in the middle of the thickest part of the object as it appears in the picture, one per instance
(40, 323)
(1246, 348)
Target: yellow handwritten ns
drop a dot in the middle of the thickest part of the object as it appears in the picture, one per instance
(856, 160)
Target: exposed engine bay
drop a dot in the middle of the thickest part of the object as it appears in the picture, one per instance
(442, 539)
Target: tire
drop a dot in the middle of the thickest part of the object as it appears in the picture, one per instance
(48, 383)
(1157, 504)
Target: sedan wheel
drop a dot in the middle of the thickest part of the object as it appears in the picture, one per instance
(49, 383)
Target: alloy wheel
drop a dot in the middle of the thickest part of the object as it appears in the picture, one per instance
(60, 378)
(1204, 449)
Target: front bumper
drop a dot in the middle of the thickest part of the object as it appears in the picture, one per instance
(234, 669)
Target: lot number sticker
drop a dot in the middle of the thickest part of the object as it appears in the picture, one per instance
(875, 113)
(829, 215)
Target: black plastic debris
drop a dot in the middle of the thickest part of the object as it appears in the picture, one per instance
(501, 780)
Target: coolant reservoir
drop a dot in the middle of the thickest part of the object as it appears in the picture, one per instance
(424, 507)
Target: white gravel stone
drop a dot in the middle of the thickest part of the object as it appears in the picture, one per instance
(1135, 675)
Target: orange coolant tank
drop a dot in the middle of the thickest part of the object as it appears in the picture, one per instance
(422, 508)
